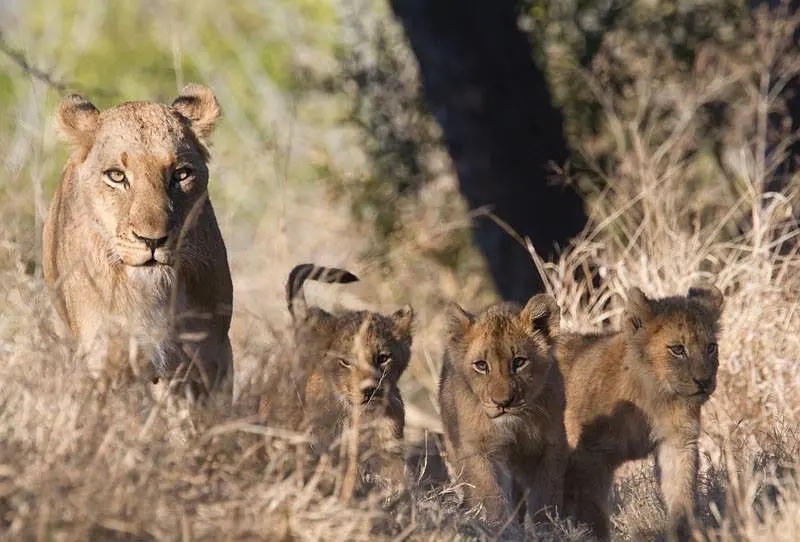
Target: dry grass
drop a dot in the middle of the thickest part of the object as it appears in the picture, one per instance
(79, 465)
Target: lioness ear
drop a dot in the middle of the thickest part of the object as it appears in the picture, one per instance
(77, 120)
(543, 314)
(638, 310)
(458, 321)
(403, 320)
(709, 295)
(199, 105)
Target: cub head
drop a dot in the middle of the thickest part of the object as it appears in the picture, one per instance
(676, 338)
(366, 352)
(503, 353)
(139, 170)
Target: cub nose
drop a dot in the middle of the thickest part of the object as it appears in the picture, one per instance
(503, 403)
(704, 384)
(370, 389)
(369, 392)
(151, 243)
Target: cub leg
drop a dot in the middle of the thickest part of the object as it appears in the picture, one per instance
(385, 440)
(544, 482)
(586, 493)
(678, 464)
(518, 500)
(483, 487)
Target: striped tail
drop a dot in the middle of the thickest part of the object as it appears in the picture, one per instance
(296, 300)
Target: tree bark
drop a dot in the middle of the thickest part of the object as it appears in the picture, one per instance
(500, 128)
(791, 93)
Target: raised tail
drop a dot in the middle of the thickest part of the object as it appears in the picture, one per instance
(295, 299)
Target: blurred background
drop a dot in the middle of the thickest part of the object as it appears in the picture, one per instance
(452, 150)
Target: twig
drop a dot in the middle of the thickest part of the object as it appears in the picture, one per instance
(18, 58)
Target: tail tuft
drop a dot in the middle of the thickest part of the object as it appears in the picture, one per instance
(295, 300)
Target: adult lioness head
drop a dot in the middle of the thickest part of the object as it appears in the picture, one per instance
(503, 354)
(143, 169)
(131, 245)
(677, 339)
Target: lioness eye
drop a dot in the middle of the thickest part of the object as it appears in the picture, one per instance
(382, 359)
(712, 349)
(677, 350)
(115, 176)
(481, 366)
(343, 362)
(518, 363)
(181, 174)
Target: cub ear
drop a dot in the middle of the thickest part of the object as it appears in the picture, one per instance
(314, 336)
(543, 314)
(709, 296)
(318, 321)
(77, 120)
(458, 321)
(638, 310)
(200, 106)
(403, 320)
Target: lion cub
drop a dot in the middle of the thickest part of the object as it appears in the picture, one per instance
(131, 246)
(637, 391)
(351, 363)
(501, 399)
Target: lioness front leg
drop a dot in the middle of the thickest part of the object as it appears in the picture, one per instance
(106, 360)
(678, 463)
(205, 368)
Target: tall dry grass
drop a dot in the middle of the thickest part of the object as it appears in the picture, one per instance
(77, 464)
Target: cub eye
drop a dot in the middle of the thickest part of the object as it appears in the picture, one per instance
(343, 362)
(712, 349)
(481, 367)
(115, 176)
(382, 359)
(677, 350)
(181, 174)
(518, 363)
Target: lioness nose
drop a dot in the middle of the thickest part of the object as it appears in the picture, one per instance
(151, 243)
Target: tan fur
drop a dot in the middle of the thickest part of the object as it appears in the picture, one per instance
(131, 243)
(628, 395)
(349, 365)
(503, 421)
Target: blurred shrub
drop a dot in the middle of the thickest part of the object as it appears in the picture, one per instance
(659, 96)
(569, 34)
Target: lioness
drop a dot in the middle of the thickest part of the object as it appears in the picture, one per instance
(501, 399)
(639, 390)
(351, 363)
(131, 242)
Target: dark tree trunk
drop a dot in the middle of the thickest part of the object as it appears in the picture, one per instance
(500, 128)
(780, 179)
